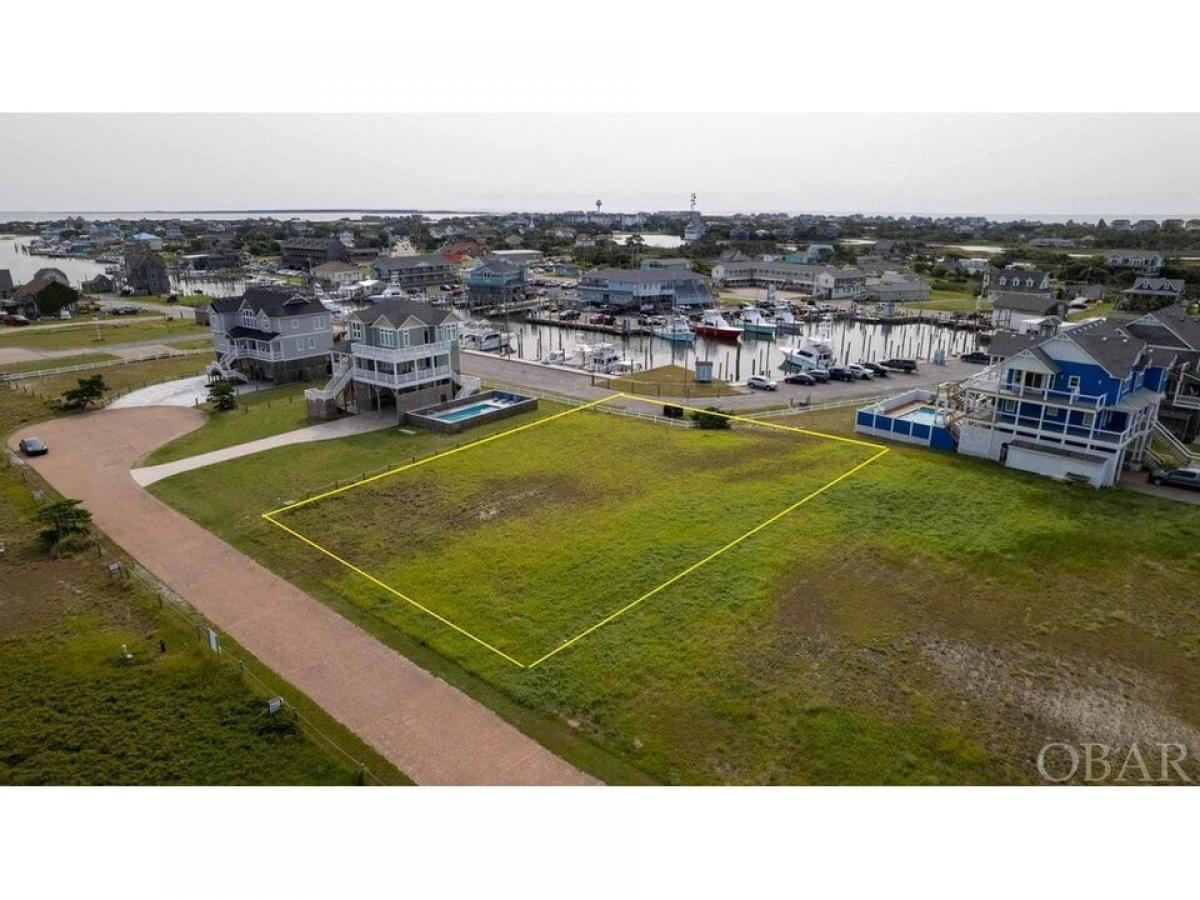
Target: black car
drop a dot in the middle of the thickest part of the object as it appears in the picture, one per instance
(875, 368)
(908, 366)
(976, 356)
(800, 378)
(841, 373)
(819, 375)
(569, 315)
(32, 446)
(1184, 478)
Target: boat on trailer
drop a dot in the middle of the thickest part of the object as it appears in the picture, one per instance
(811, 353)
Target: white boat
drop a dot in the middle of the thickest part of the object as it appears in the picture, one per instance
(599, 358)
(753, 322)
(555, 358)
(483, 338)
(678, 330)
(811, 353)
(787, 323)
(623, 366)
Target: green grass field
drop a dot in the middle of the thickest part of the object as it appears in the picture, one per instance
(120, 378)
(259, 414)
(948, 301)
(1096, 310)
(669, 381)
(56, 362)
(933, 618)
(73, 710)
(84, 334)
(528, 541)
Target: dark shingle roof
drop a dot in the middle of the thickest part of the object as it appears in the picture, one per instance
(1109, 344)
(1004, 345)
(641, 276)
(308, 243)
(275, 301)
(397, 311)
(397, 263)
(1038, 304)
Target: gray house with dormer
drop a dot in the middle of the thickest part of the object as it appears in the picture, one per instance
(270, 334)
(398, 354)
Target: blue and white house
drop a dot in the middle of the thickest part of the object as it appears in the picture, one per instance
(1079, 405)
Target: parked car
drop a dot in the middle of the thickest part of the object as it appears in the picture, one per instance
(976, 356)
(123, 310)
(761, 383)
(32, 446)
(819, 375)
(570, 315)
(15, 320)
(1184, 478)
(841, 373)
(860, 371)
(908, 366)
(875, 368)
(800, 378)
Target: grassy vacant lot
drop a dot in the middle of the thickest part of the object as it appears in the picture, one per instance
(74, 711)
(528, 541)
(83, 334)
(931, 619)
(669, 381)
(54, 362)
(948, 301)
(259, 414)
(121, 378)
(1097, 310)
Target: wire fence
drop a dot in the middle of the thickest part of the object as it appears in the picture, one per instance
(170, 600)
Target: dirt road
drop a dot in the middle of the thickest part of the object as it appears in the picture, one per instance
(430, 730)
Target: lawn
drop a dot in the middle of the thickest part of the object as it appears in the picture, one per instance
(1096, 310)
(259, 414)
(527, 542)
(669, 381)
(55, 362)
(84, 334)
(947, 301)
(75, 710)
(120, 379)
(933, 618)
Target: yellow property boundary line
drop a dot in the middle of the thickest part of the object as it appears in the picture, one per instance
(270, 516)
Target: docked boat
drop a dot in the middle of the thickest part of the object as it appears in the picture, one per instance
(811, 353)
(714, 325)
(755, 323)
(787, 323)
(677, 330)
(600, 357)
(485, 339)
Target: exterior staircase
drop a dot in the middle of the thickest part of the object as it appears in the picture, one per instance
(1166, 449)
(337, 384)
(468, 385)
(223, 368)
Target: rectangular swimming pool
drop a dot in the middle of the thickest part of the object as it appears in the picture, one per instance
(924, 415)
(455, 415)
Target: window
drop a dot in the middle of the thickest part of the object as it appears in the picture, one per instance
(1073, 384)
(295, 324)
(387, 337)
(312, 343)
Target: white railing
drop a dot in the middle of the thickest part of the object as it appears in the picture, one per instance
(102, 364)
(403, 379)
(993, 384)
(468, 386)
(401, 354)
(1186, 453)
(336, 385)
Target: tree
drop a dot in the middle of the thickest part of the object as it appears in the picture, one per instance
(710, 418)
(90, 390)
(221, 395)
(63, 519)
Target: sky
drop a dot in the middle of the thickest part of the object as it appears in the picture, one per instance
(986, 164)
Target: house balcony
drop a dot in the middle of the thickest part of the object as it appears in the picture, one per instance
(250, 349)
(393, 355)
(991, 384)
(416, 377)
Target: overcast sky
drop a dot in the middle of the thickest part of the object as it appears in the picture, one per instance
(986, 164)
